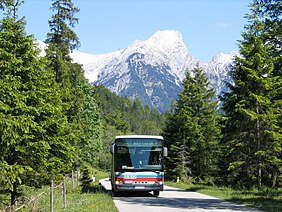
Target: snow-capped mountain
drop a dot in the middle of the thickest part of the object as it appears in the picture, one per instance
(151, 70)
(218, 70)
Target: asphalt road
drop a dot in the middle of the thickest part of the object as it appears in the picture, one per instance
(172, 199)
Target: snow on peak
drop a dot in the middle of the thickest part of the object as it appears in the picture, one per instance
(224, 57)
(151, 69)
(164, 40)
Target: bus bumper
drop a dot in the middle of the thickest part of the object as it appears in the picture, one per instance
(138, 187)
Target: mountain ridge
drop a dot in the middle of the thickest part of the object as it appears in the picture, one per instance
(152, 69)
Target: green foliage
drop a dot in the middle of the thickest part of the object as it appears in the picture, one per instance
(192, 130)
(78, 96)
(86, 179)
(122, 116)
(128, 117)
(64, 38)
(252, 143)
(95, 199)
(33, 129)
(91, 126)
(48, 110)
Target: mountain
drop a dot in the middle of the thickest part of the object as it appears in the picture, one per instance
(152, 70)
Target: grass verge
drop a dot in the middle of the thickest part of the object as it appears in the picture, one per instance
(265, 199)
(95, 200)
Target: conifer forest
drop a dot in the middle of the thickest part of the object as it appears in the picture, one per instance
(52, 120)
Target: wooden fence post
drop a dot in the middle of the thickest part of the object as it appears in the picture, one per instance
(52, 197)
(64, 193)
(77, 177)
(72, 179)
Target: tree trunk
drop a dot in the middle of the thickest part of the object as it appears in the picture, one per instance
(258, 147)
(274, 178)
(14, 194)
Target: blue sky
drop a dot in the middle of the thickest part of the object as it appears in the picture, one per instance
(207, 26)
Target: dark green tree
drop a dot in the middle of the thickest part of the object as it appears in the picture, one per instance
(252, 135)
(62, 40)
(61, 35)
(33, 139)
(119, 115)
(178, 160)
(128, 116)
(80, 104)
(136, 114)
(86, 179)
(192, 131)
(91, 144)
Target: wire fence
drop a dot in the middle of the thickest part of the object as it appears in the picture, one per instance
(60, 186)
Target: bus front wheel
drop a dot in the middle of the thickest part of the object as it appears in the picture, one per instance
(156, 193)
(113, 191)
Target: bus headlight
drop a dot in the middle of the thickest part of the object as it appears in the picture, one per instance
(118, 182)
(159, 182)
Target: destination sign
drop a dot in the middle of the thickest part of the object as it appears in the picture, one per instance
(139, 142)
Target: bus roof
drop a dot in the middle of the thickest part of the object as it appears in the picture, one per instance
(139, 136)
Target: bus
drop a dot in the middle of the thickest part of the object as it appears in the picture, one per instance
(138, 163)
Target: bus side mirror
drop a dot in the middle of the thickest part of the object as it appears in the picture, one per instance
(165, 152)
(112, 148)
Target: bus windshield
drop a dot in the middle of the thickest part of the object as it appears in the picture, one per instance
(138, 154)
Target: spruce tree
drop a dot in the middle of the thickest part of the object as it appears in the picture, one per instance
(271, 11)
(61, 35)
(192, 131)
(62, 40)
(91, 144)
(252, 135)
(79, 101)
(33, 145)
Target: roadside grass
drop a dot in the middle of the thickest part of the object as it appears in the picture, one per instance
(266, 199)
(94, 200)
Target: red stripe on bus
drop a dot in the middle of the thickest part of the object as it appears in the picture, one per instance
(139, 179)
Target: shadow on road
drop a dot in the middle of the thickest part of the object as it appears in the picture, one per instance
(176, 190)
(187, 203)
(132, 194)
(174, 198)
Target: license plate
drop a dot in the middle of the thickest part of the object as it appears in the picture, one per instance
(139, 187)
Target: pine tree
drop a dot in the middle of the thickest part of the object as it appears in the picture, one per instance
(33, 145)
(252, 135)
(192, 131)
